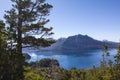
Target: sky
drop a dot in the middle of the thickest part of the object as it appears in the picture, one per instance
(99, 19)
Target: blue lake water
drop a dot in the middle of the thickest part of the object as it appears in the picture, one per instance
(80, 59)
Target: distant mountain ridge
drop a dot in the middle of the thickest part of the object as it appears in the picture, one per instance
(80, 42)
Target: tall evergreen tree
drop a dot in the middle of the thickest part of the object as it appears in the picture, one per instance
(28, 17)
(25, 17)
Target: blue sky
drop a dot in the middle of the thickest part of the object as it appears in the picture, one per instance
(99, 19)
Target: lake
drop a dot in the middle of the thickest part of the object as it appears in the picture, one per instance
(80, 59)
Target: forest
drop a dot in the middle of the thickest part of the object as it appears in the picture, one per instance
(27, 18)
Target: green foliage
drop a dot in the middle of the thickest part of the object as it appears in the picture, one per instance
(30, 75)
(25, 17)
(3, 55)
(10, 60)
(103, 63)
(10, 66)
(32, 41)
(117, 64)
(109, 72)
(46, 62)
(28, 17)
(3, 36)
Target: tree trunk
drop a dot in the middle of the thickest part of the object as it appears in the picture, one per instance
(19, 40)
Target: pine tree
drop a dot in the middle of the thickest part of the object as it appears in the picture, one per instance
(27, 17)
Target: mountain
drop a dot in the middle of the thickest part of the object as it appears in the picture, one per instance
(80, 42)
(57, 45)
